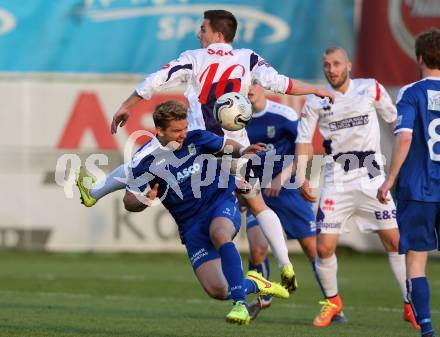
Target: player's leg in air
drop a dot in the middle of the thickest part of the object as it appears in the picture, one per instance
(91, 191)
(271, 226)
(298, 221)
(249, 194)
(218, 266)
(258, 260)
(390, 240)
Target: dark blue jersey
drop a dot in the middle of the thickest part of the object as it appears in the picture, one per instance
(189, 178)
(276, 126)
(418, 108)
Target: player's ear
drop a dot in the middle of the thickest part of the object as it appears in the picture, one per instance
(220, 37)
(159, 131)
(349, 66)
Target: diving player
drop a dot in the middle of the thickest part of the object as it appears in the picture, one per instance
(174, 165)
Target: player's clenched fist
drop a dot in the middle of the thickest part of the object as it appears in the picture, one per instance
(119, 119)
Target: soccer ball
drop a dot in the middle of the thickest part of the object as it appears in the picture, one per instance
(232, 111)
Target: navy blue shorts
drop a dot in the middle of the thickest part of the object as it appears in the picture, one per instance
(196, 237)
(296, 214)
(419, 225)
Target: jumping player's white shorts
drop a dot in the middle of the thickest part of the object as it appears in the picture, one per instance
(239, 136)
(354, 204)
(247, 190)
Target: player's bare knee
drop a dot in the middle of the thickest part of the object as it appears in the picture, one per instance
(217, 291)
(325, 251)
(391, 241)
(131, 204)
(219, 237)
(310, 252)
(256, 205)
(308, 246)
(393, 246)
(258, 253)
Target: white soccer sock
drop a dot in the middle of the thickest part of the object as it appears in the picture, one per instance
(327, 270)
(270, 224)
(116, 180)
(397, 264)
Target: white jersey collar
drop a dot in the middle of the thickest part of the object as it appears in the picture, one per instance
(262, 112)
(337, 93)
(435, 78)
(156, 144)
(223, 46)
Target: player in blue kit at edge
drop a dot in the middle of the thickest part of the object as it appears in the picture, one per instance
(203, 206)
(416, 162)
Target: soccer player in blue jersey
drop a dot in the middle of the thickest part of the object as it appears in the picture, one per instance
(415, 165)
(276, 125)
(179, 167)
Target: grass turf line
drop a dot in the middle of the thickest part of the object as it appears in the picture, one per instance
(158, 295)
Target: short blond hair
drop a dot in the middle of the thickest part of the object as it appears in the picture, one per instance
(169, 111)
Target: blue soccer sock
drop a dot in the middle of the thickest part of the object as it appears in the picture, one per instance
(233, 271)
(250, 287)
(317, 278)
(418, 294)
(263, 268)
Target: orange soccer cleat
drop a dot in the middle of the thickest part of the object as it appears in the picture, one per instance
(330, 307)
(408, 315)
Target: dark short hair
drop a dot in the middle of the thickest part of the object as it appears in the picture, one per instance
(167, 112)
(428, 47)
(222, 21)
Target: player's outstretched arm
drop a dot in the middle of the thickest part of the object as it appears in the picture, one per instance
(400, 151)
(303, 88)
(237, 150)
(121, 116)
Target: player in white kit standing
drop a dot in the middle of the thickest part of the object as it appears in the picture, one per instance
(353, 172)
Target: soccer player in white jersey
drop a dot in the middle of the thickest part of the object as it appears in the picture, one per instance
(208, 73)
(353, 172)
(416, 161)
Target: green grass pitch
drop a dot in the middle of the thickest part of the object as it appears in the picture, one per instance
(158, 295)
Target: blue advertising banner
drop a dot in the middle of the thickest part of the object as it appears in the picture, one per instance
(140, 36)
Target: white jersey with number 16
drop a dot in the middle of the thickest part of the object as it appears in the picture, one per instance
(209, 73)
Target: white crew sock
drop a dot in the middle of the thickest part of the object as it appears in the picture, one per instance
(397, 264)
(116, 180)
(327, 270)
(273, 231)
